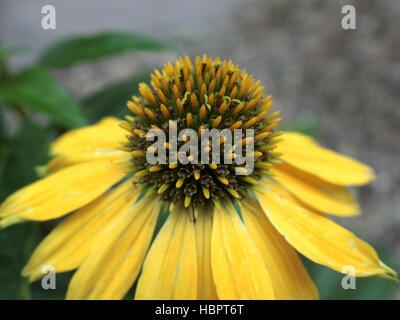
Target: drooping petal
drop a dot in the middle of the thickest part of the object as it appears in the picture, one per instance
(319, 238)
(238, 268)
(116, 257)
(62, 192)
(69, 243)
(170, 269)
(96, 142)
(206, 286)
(289, 277)
(104, 135)
(315, 192)
(63, 161)
(303, 152)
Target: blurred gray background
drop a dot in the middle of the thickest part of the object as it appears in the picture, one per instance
(347, 81)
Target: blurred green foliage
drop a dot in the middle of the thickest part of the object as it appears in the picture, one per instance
(111, 100)
(309, 126)
(34, 90)
(80, 48)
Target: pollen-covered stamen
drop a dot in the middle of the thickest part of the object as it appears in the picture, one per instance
(209, 94)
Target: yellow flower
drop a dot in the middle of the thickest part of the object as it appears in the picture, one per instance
(222, 235)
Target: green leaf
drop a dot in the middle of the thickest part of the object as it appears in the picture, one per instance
(17, 243)
(4, 152)
(36, 89)
(4, 147)
(371, 288)
(308, 126)
(111, 101)
(27, 150)
(77, 49)
(9, 52)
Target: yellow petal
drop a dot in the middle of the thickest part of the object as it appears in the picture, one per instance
(170, 269)
(304, 153)
(289, 277)
(62, 192)
(238, 268)
(63, 161)
(96, 142)
(319, 238)
(206, 286)
(69, 243)
(105, 135)
(315, 192)
(116, 257)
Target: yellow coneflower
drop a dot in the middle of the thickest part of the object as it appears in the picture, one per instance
(222, 235)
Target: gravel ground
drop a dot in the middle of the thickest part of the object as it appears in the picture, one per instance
(349, 80)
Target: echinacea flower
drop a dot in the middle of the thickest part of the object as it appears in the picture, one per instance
(194, 231)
